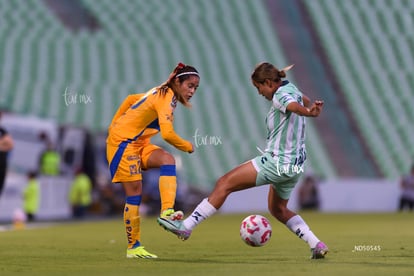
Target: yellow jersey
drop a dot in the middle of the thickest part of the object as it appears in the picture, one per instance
(142, 116)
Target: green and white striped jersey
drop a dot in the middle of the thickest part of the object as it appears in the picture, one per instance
(286, 130)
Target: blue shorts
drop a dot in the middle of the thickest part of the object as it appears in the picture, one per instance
(283, 177)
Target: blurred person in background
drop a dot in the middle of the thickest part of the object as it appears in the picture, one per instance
(49, 162)
(31, 197)
(6, 145)
(129, 149)
(308, 194)
(407, 191)
(80, 194)
(279, 165)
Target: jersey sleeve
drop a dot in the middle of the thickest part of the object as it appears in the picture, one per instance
(165, 106)
(281, 100)
(130, 100)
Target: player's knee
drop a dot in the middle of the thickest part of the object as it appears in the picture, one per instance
(167, 159)
(222, 185)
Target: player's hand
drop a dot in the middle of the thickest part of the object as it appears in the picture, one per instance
(319, 103)
(316, 108)
(192, 148)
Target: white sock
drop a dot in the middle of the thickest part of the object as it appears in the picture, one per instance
(298, 226)
(200, 213)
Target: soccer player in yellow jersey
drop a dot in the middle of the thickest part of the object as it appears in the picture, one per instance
(129, 149)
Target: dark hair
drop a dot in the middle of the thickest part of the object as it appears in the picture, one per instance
(32, 174)
(178, 70)
(267, 71)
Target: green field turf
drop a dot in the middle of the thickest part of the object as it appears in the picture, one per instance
(215, 248)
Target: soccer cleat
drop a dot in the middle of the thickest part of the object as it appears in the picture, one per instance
(170, 214)
(175, 227)
(140, 252)
(319, 251)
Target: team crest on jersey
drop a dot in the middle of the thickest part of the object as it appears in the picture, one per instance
(133, 169)
(174, 102)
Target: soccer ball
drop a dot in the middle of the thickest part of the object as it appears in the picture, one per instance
(255, 230)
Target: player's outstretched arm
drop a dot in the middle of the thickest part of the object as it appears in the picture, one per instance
(169, 135)
(313, 111)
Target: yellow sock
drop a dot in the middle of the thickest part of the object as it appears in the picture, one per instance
(132, 221)
(167, 186)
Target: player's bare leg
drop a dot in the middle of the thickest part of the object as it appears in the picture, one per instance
(278, 208)
(240, 178)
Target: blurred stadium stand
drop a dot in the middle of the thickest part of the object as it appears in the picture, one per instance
(79, 75)
(300, 42)
(370, 45)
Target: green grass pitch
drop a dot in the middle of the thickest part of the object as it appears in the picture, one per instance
(360, 244)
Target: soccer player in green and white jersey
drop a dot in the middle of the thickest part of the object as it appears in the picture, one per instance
(281, 165)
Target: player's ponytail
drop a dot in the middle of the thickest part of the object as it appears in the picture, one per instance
(282, 73)
(164, 86)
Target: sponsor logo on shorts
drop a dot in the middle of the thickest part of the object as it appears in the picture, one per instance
(132, 157)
